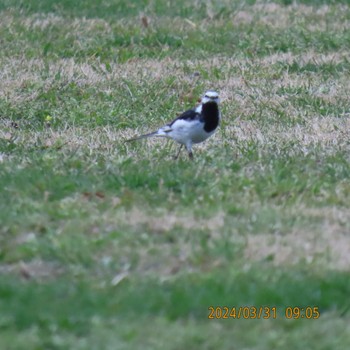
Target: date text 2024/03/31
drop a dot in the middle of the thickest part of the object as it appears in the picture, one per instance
(263, 312)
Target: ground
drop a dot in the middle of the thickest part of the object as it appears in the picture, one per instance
(113, 245)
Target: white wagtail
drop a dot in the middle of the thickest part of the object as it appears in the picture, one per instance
(192, 126)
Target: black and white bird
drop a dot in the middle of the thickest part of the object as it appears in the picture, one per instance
(192, 126)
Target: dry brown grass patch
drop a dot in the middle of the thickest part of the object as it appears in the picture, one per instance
(327, 247)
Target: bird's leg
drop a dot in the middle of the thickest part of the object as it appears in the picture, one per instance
(178, 153)
(189, 150)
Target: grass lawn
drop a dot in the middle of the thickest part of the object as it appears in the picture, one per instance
(113, 245)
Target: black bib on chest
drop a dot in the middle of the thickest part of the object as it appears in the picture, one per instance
(210, 115)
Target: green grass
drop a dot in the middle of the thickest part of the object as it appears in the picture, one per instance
(113, 245)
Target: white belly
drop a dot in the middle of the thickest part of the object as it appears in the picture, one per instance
(186, 132)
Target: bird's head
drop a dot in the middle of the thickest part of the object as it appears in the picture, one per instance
(210, 96)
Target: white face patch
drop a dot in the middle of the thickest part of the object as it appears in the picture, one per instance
(211, 96)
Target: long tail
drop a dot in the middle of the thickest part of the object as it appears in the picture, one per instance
(143, 136)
